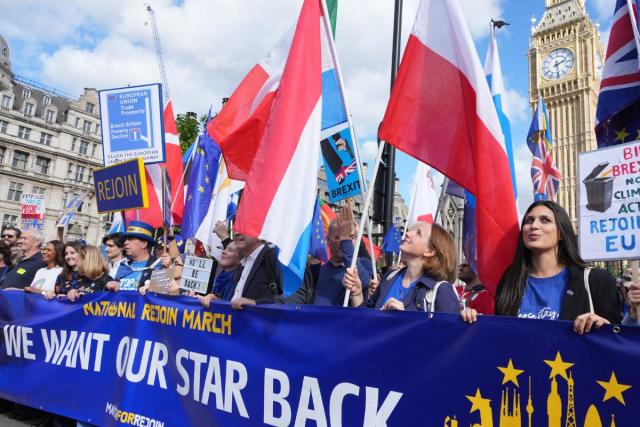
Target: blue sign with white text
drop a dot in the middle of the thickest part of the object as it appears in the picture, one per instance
(124, 359)
(121, 186)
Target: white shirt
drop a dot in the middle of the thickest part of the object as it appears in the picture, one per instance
(114, 266)
(45, 278)
(248, 265)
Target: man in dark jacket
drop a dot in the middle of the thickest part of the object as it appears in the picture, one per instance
(22, 273)
(259, 281)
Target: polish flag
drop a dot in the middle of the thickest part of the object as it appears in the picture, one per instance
(153, 214)
(239, 126)
(424, 200)
(441, 112)
(279, 197)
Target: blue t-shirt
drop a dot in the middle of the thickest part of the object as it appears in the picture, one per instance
(129, 281)
(398, 291)
(542, 297)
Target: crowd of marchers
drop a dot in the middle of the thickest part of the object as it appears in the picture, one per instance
(547, 278)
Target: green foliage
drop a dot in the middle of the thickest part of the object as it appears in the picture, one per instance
(188, 128)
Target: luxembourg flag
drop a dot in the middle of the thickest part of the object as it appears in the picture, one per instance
(240, 125)
(280, 191)
(441, 112)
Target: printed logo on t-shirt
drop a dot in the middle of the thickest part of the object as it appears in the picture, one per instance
(21, 270)
(546, 313)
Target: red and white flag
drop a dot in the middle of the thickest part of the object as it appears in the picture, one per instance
(424, 201)
(239, 126)
(279, 196)
(442, 113)
(153, 214)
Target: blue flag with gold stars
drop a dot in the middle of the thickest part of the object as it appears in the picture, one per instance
(318, 245)
(392, 240)
(202, 179)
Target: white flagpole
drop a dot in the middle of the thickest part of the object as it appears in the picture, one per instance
(365, 214)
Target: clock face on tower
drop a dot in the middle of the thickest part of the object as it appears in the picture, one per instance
(557, 63)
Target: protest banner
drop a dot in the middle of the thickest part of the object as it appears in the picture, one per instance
(121, 186)
(132, 124)
(292, 365)
(196, 273)
(160, 280)
(32, 211)
(609, 203)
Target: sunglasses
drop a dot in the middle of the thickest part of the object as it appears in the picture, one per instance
(8, 235)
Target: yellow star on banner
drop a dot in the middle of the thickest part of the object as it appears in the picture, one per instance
(206, 179)
(558, 366)
(510, 373)
(477, 401)
(621, 135)
(638, 135)
(613, 388)
(201, 188)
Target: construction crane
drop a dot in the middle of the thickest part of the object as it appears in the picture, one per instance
(159, 54)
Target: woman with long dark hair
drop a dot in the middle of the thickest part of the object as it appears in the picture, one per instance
(549, 280)
(45, 278)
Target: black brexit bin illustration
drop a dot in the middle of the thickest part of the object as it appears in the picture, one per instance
(599, 190)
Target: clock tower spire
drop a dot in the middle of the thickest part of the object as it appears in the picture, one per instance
(565, 58)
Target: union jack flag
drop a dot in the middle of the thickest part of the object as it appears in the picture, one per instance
(619, 98)
(544, 173)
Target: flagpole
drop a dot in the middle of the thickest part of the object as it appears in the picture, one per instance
(367, 203)
(334, 55)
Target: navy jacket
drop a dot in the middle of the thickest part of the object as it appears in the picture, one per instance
(264, 283)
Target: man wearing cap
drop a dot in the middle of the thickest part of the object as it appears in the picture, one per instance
(136, 270)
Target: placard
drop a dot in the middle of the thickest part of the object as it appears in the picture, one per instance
(609, 203)
(121, 187)
(340, 165)
(132, 124)
(196, 273)
(32, 211)
(160, 281)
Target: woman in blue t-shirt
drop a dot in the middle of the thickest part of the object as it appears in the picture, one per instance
(549, 280)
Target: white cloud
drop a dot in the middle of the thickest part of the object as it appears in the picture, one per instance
(368, 151)
(604, 9)
(479, 13)
(517, 105)
(523, 158)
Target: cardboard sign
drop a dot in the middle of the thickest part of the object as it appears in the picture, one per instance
(132, 124)
(160, 280)
(32, 211)
(340, 165)
(121, 187)
(609, 203)
(196, 273)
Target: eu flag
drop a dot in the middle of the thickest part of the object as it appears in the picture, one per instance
(202, 179)
(318, 246)
(392, 240)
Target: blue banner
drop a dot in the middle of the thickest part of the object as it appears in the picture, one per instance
(121, 186)
(160, 361)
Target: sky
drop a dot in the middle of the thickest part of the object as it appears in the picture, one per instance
(210, 45)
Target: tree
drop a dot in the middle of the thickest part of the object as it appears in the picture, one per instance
(189, 128)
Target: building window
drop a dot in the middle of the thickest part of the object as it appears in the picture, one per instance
(79, 173)
(86, 127)
(65, 198)
(6, 102)
(93, 150)
(77, 122)
(74, 142)
(26, 93)
(24, 132)
(2, 151)
(15, 191)
(97, 128)
(90, 108)
(20, 160)
(38, 190)
(84, 147)
(42, 165)
(9, 220)
(46, 100)
(28, 109)
(3, 126)
(49, 116)
(45, 138)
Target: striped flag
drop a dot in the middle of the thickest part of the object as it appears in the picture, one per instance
(441, 111)
(544, 173)
(279, 197)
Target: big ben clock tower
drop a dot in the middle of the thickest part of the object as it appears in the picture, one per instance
(565, 59)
